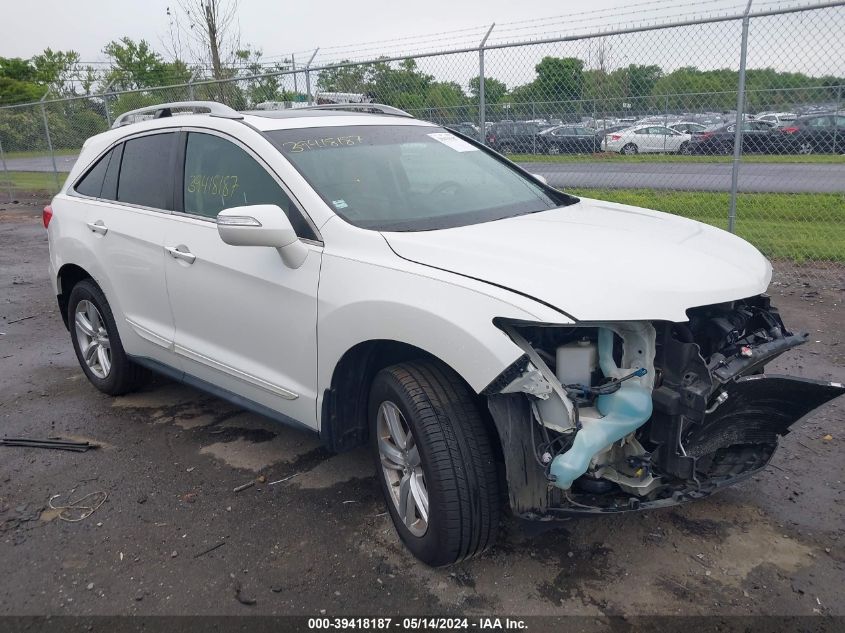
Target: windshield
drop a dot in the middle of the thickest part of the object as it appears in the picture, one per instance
(410, 177)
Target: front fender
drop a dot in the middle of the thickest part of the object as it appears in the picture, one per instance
(449, 321)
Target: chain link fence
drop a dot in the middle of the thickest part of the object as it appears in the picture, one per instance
(737, 121)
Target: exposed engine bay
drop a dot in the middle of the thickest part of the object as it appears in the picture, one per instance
(609, 417)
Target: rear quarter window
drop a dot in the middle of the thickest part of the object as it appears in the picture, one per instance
(91, 184)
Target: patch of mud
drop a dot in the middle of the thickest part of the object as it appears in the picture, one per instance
(248, 455)
(357, 464)
(159, 397)
(702, 528)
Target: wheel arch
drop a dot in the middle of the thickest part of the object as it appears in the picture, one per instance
(343, 420)
(68, 276)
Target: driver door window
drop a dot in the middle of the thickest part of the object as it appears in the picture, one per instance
(220, 175)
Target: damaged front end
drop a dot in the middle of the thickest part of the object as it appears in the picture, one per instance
(610, 417)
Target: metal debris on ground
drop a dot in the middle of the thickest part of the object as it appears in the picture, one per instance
(278, 481)
(76, 511)
(210, 549)
(244, 487)
(57, 444)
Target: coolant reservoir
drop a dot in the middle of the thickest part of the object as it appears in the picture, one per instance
(576, 362)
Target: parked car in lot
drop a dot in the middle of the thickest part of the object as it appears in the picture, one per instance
(601, 133)
(513, 137)
(757, 137)
(383, 282)
(568, 139)
(644, 139)
(687, 127)
(777, 119)
(466, 128)
(817, 134)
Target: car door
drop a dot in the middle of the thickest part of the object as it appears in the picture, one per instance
(245, 322)
(584, 140)
(670, 140)
(127, 219)
(756, 137)
(645, 140)
(561, 139)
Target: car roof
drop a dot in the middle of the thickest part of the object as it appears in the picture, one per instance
(286, 119)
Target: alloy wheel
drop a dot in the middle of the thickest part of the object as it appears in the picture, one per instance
(402, 468)
(93, 338)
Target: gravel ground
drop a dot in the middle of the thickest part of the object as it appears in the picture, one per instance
(321, 541)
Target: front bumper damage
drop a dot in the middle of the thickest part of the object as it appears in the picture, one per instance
(715, 419)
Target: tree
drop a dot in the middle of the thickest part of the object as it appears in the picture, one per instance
(18, 83)
(494, 90)
(56, 70)
(261, 88)
(210, 32)
(559, 79)
(345, 78)
(135, 65)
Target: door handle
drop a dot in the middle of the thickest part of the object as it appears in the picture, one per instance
(98, 227)
(185, 256)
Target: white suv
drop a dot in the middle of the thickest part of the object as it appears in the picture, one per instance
(378, 279)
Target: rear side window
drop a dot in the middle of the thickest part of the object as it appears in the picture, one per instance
(220, 175)
(145, 173)
(109, 191)
(92, 182)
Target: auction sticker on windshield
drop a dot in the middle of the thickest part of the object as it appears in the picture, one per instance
(450, 140)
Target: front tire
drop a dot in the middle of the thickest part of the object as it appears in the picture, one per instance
(435, 461)
(97, 343)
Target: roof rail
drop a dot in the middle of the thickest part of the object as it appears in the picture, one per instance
(372, 108)
(164, 110)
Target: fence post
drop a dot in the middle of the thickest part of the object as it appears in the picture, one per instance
(740, 119)
(308, 75)
(49, 140)
(836, 114)
(482, 124)
(6, 172)
(191, 81)
(105, 94)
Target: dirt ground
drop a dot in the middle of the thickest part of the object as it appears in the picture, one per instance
(320, 541)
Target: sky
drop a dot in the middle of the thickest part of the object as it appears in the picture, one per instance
(281, 27)
(366, 29)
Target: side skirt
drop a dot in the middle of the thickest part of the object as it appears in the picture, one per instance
(223, 394)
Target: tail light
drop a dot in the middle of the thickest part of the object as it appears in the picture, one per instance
(47, 215)
(705, 135)
(789, 130)
(615, 137)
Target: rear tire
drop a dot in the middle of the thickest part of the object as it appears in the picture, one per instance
(445, 447)
(630, 149)
(97, 343)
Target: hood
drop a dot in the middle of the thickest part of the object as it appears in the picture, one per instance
(598, 261)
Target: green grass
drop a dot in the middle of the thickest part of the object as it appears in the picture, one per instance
(675, 158)
(795, 226)
(40, 153)
(30, 181)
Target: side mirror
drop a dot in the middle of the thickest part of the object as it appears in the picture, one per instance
(262, 225)
(541, 178)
